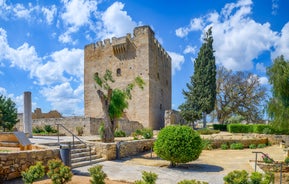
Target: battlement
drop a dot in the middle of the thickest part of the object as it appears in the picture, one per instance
(120, 44)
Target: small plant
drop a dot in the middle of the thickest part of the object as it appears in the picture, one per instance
(267, 159)
(148, 178)
(207, 144)
(97, 175)
(237, 177)
(261, 145)
(286, 160)
(192, 182)
(252, 146)
(37, 130)
(224, 146)
(207, 131)
(236, 146)
(34, 173)
(119, 133)
(58, 172)
(79, 130)
(145, 133)
(101, 131)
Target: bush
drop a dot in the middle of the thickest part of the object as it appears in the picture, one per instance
(119, 133)
(221, 127)
(242, 177)
(259, 128)
(286, 160)
(49, 129)
(224, 146)
(207, 131)
(145, 133)
(240, 128)
(148, 178)
(58, 172)
(192, 182)
(261, 145)
(237, 177)
(178, 144)
(97, 175)
(34, 173)
(236, 146)
(37, 130)
(207, 144)
(252, 146)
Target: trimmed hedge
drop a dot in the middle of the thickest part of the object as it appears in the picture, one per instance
(220, 127)
(255, 128)
(240, 128)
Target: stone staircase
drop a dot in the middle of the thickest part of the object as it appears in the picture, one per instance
(79, 153)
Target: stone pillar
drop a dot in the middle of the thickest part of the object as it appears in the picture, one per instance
(27, 114)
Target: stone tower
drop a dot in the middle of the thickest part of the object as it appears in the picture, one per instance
(128, 57)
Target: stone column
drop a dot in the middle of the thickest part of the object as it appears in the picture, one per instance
(27, 114)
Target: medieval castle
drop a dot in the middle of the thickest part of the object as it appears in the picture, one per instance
(128, 57)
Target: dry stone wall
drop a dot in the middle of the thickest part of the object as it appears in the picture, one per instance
(13, 163)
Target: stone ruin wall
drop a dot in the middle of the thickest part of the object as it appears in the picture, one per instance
(38, 114)
(173, 117)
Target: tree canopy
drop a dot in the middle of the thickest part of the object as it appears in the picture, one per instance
(239, 95)
(8, 113)
(113, 101)
(201, 95)
(278, 106)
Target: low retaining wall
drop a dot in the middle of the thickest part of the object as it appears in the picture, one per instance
(111, 151)
(13, 163)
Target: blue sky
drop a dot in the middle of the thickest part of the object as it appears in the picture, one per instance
(41, 42)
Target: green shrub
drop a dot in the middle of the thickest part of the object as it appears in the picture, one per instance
(97, 174)
(101, 131)
(256, 178)
(119, 133)
(236, 146)
(145, 133)
(58, 172)
(252, 146)
(207, 144)
(207, 131)
(221, 127)
(286, 160)
(259, 128)
(224, 146)
(37, 130)
(192, 182)
(237, 177)
(49, 129)
(178, 144)
(34, 173)
(148, 178)
(261, 145)
(240, 128)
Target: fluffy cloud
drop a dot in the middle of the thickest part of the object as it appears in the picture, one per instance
(263, 80)
(282, 44)
(190, 50)
(177, 61)
(260, 67)
(116, 22)
(49, 13)
(238, 39)
(58, 94)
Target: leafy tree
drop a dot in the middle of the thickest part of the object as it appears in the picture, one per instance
(113, 101)
(178, 144)
(201, 94)
(239, 96)
(8, 113)
(278, 106)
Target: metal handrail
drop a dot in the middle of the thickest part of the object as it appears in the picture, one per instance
(72, 138)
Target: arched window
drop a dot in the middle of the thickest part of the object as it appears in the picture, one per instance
(118, 72)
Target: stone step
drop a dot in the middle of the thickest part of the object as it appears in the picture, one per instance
(79, 150)
(80, 154)
(85, 163)
(84, 158)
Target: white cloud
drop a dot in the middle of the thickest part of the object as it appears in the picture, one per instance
(260, 67)
(190, 50)
(195, 24)
(177, 61)
(263, 80)
(49, 13)
(282, 44)
(59, 94)
(238, 39)
(21, 12)
(275, 6)
(116, 22)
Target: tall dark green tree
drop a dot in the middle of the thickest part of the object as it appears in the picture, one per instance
(201, 94)
(278, 106)
(8, 113)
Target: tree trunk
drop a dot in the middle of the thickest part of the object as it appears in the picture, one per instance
(204, 119)
(108, 134)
